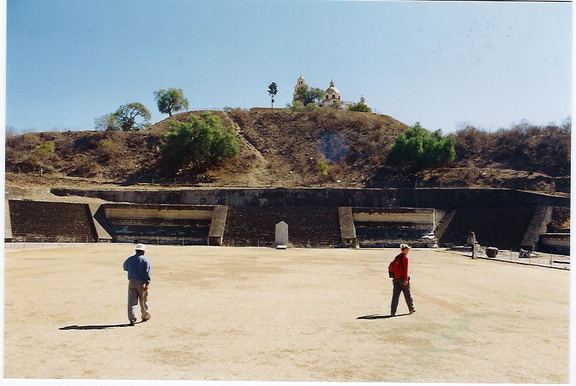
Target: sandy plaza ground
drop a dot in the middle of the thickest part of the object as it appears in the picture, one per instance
(261, 314)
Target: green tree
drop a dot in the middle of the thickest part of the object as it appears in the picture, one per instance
(297, 106)
(418, 149)
(170, 100)
(272, 91)
(201, 142)
(307, 95)
(360, 106)
(132, 117)
(294, 106)
(107, 122)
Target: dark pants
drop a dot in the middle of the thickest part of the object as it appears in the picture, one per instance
(400, 287)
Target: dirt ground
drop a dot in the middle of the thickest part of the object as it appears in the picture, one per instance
(260, 314)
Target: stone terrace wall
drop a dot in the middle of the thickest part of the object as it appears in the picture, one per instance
(39, 221)
(254, 226)
(421, 197)
(497, 216)
(494, 227)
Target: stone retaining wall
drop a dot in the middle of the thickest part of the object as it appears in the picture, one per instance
(494, 227)
(415, 198)
(40, 221)
(499, 217)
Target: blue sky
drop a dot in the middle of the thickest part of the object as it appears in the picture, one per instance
(438, 63)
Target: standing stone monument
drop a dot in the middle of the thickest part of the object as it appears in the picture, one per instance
(281, 235)
(475, 250)
(471, 241)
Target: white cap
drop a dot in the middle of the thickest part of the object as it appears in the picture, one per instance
(140, 247)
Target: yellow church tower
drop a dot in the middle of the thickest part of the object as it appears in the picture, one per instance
(299, 82)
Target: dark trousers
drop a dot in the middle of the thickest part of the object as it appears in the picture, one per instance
(405, 289)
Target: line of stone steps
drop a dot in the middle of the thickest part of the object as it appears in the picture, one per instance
(391, 235)
(156, 223)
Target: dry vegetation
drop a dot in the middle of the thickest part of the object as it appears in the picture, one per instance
(281, 148)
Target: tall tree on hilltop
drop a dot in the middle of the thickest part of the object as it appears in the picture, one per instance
(130, 117)
(107, 122)
(171, 100)
(308, 95)
(272, 91)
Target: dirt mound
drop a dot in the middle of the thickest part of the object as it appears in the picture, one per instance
(277, 148)
(323, 148)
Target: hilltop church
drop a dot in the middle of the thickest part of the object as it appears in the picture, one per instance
(332, 96)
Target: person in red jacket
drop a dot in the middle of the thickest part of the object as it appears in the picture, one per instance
(401, 282)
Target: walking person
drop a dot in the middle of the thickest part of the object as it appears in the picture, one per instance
(401, 280)
(138, 268)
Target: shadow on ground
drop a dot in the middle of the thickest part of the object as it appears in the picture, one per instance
(376, 316)
(94, 327)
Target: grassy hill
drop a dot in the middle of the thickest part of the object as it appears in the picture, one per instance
(282, 149)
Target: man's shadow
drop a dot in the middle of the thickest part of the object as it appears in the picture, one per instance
(96, 326)
(376, 316)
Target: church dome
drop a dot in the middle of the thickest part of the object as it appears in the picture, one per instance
(331, 93)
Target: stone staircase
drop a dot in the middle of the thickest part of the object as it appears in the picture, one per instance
(156, 223)
(391, 235)
(390, 227)
(158, 232)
